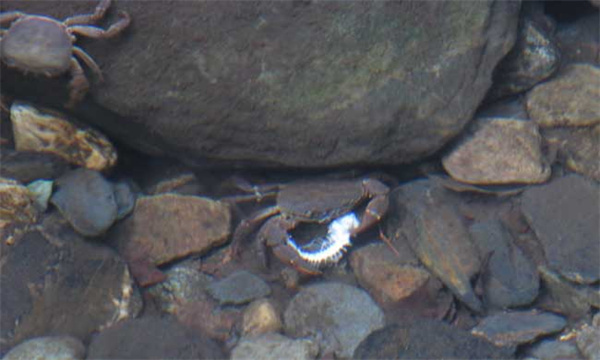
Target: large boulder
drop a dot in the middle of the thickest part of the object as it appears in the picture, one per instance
(294, 83)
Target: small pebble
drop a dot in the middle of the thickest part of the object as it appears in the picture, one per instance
(48, 348)
(260, 317)
(239, 288)
(275, 347)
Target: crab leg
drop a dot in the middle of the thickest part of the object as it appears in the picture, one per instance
(89, 18)
(79, 85)
(246, 227)
(77, 51)
(377, 207)
(99, 33)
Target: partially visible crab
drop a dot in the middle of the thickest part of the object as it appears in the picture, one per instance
(312, 202)
(42, 45)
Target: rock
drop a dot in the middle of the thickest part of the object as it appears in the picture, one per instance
(41, 191)
(554, 350)
(427, 339)
(86, 200)
(183, 284)
(60, 284)
(48, 348)
(439, 238)
(26, 167)
(305, 84)
(565, 216)
(163, 228)
(570, 99)
(341, 314)
(578, 40)
(260, 317)
(207, 317)
(17, 203)
(578, 149)
(519, 327)
(534, 57)
(239, 288)
(387, 277)
(151, 338)
(498, 151)
(275, 347)
(124, 198)
(510, 279)
(588, 339)
(44, 131)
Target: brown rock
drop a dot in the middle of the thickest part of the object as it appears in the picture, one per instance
(260, 317)
(571, 99)
(17, 203)
(498, 151)
(163, 228)
(45, 131)
(579, 149)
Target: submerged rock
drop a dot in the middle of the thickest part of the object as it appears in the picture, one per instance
(48, 348)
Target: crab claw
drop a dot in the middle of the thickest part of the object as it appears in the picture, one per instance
(377, 207)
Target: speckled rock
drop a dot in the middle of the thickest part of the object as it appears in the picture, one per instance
(239, 288)
(519, 327)
(498, 151)
(571, 99)
(45, 131)
(427, 339)
(166, 227)
(341, 315)
(152, 338)
(86, 200)
(388, 277)
(566, 219)
(260, 317)
(275, 347)
(510, 279)
(17, 203)
(579, 149)
(534, 58)
(48, 348)
(309, 84)
(588, 339)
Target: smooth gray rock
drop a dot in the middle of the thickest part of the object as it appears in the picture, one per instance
(48, 348)
(239, 288)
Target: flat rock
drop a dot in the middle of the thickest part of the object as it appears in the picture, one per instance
(48, 348)
(387, 277)
(570, 99)
(275, 347)
(578, 149)
(166, 227)
(519, 327)
(152, 338)
(566, 219)
(554, 350)
(343, 315)
(437, 235)
(239, 288)
(40, 130)
(510, 279)
(59, 284)
(307, 84)
(498, 151)
(86, 200)
(27, 166)
(427, 339)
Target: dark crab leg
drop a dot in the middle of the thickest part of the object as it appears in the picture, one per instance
(274, 234)
(77, 51)
(78, 86)
(99, 33)
(89, 18)
(246, 227)
(377, 206)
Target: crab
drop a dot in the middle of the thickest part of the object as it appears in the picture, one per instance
(323, 202)
(45, 46)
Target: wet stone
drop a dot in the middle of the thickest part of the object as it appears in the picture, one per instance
(579, 40)
(163, 228)
(427, 339)
(48, 131)
(439, 238)
(578, 149)
(48, 348)
(510, 279)
(239, 288)
(261, 317)
(183, 284)
(26, 167)
(384, 275)
(570, 99)
(41, 191)
(519, 327)
(498, 151)
(588, 339)
(125, 199)
(275, 347)
(554, 350)
(533, 58)
(86, 200)
(17, 203)
(565, 216)
(341, 315)
(152, 338)
(61, 284)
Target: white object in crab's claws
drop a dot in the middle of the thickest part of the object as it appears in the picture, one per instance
(334, 245)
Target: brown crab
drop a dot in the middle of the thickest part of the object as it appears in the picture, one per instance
(311, 202)
(42, 45)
